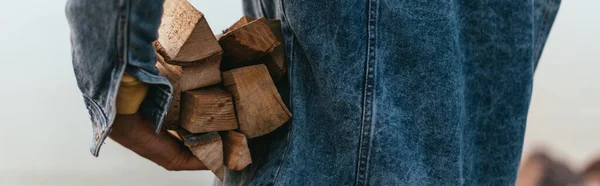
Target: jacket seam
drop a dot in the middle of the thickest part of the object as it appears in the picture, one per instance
(100, 129)
(122, 54)
(95, 106)
(368, 94)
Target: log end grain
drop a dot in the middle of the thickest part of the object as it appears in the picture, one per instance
(259, 107)
(201, 75)
(185, 36)
(207, 110)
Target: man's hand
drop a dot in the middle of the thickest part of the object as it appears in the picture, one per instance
(137, 134)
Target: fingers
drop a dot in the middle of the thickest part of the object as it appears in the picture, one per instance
(137, 134)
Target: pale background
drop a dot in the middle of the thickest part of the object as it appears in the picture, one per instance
(45, 132)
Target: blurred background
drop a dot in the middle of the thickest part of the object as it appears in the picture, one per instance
(45, 132)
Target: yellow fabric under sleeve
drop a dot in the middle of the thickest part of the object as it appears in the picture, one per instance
(131, 94)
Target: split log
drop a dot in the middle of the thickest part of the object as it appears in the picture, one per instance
(208, 148)
(275, 61)
(184, 35)
(246, 44)
(195, 76)
(207, 110)
(200, 75)
(235, 150)
(259, 107)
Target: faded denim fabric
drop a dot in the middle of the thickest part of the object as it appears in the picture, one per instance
(107, 39)
(391, 92)
(383, 92)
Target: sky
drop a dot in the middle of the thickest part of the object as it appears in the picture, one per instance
(46, 133)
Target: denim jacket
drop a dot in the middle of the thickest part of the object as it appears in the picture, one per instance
(383, 92)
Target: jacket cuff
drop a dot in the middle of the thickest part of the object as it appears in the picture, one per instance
(154, 107)
(158, 99)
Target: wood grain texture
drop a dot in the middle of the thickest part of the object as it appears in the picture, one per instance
(201, 75)
(246, 44)
(236, 154)
(196, 76)
(208, 148)
(207, 110)
(184, 35)
(173, 75)
(259, 107)
(275, 60)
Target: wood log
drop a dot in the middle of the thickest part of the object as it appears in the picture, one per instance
(174, 76)
(259, 107)
(207, 110)
(243, 21)
(235, 150)
(201, 75)
(246, 44)
(275, 61)
(184, 35)
(196, 76)
(208, 148)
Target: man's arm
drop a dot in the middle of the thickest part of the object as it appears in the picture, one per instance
(111, 38)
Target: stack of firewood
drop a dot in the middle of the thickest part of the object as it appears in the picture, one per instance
(223, 88)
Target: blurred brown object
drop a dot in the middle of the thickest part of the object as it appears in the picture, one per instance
(591, 174)
(541, 170)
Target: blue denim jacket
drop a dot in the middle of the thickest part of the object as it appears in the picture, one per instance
(383, 92)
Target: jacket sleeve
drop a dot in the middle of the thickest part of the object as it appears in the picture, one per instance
(544, 12)
(109, 38)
